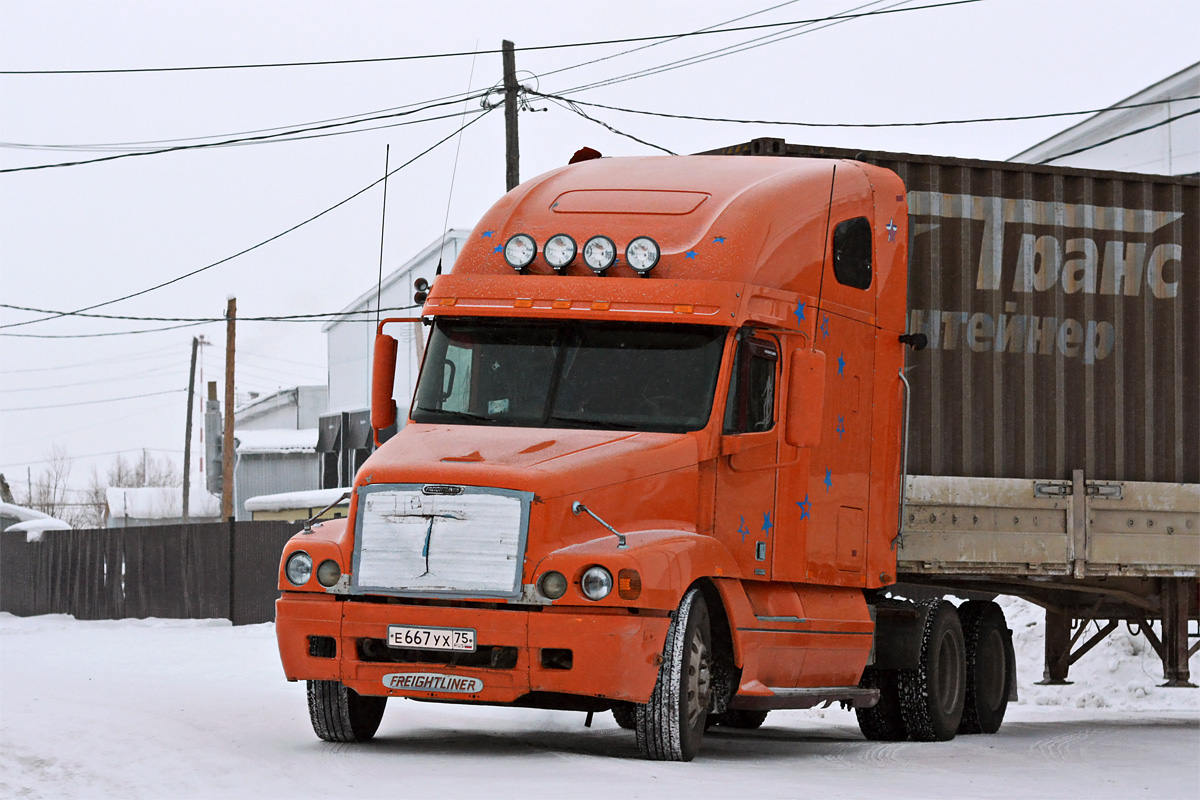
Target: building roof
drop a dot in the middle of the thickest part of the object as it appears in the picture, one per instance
(276, 440)
(287, 501)
(30, 520)
(159, 502)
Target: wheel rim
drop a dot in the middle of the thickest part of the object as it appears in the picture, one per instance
(948, 674)
(990, 667)
(698, 683)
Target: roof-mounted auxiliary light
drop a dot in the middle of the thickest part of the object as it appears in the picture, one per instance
(519, 251)
(642, 255)
(560, 251)
(599, 253)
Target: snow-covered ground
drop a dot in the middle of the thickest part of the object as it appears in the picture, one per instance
(187, 709)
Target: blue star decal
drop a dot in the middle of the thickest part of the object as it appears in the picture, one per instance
(804, 508)
(690, 253)
(486, 235)
(841, 428)
(825, 325)
(767, 524)
(841, 363)
(498, 248)
(719, 240)
(828, 480)
(799, 312)
(891, 229)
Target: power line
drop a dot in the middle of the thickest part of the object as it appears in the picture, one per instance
(156, 372)
(1015, 118)
(325, 316)
(244, 251)
(92, 455)
(156, 353)
(426, 56)
(569, 106)
(91, 402)
(91, 335)
(1158, 124)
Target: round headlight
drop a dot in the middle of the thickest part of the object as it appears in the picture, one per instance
(329, 573)
(553, 585)
(599, 253)
(298, 568)
(560, 251)
(596, 583)
(642, 254)
(519, 251)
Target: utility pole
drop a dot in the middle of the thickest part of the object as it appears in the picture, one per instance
(187, 441)
(512, 169)
(227, 441)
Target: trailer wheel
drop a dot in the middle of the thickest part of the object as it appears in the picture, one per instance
(740, 718)
(340, 714)
(931, 696)
(984, 633)
(625, 714)
(671, 725)
(882, 722)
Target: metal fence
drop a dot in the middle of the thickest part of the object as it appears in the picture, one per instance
(206, 571)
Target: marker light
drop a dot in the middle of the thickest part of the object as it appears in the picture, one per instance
(553, 585)
(519, 251)
(599, 253)
(642, 254)
(330, 573)
(560, 251)
(298, 568)
(596, 583)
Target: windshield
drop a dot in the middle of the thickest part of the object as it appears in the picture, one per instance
(569, 374)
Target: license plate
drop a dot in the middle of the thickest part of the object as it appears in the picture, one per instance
(453, 639)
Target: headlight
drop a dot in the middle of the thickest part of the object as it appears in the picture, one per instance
(559, 251)
(519, 251)
(596, 583)
(329, 573)
(599, 253)
(298, 568)
(642, 254)
(553, 585)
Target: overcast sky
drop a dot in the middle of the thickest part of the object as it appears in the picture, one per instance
(76, 236)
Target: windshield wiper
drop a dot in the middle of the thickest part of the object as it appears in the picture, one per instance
(459, 414)
(595, 423)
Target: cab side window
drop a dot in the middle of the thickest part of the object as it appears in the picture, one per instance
(852, 253)
(751, 404)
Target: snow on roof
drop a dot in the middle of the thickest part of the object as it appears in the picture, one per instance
(34, 528)
(22, 513)
(286, 501)
(276, 440)
(159, 502)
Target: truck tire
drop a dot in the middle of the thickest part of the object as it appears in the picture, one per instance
(984, 633)
(671, 725)
(340, 714)
(625, 714)
(740, 718)
(931, 696)
(882, 722)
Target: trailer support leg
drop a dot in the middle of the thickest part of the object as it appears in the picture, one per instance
(1175, 609)
(1058, 649)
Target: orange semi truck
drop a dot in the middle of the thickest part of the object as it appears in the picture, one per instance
(654, 464)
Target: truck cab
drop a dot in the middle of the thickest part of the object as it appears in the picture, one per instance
(653, 463)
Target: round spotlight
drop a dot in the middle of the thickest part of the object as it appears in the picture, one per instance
(553, 585)
(298, 568)
(596, 583)
(599, 253)
(560, 251)
(519, 251)
(329, 573)
(642, 254)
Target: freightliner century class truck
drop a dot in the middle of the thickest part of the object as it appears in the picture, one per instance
(699, 437)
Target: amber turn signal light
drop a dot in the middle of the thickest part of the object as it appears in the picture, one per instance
(629, 584)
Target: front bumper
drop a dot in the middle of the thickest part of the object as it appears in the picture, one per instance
(612, 655)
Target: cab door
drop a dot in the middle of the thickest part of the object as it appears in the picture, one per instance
(748, 464)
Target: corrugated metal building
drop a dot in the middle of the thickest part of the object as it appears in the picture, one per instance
(271, 462)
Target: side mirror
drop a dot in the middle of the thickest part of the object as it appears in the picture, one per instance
(805, 398)
(383, 378)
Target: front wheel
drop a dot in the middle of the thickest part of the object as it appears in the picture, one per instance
(671, 725)
(740, 718)
(340, 714)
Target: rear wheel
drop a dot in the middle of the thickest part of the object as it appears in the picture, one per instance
(985, 635)
(671, 725)
(882, 722)
(340, 714)
(625, 714)
(931, 696)
(740, 718)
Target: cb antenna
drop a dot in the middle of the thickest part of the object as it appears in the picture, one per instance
(457, 150)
